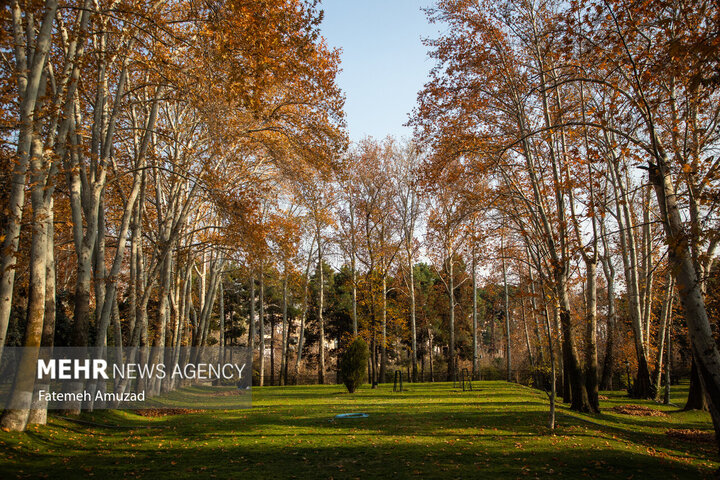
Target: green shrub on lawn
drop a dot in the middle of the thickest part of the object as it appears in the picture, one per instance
(353, 364)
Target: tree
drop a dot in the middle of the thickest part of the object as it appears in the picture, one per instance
(409, 205)
(353, 365)
(172, 128)
(379, 243)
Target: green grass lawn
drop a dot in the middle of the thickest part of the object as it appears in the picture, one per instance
(429, 431)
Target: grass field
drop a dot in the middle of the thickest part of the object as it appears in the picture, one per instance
(429, 431)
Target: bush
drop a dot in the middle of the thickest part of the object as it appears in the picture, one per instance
(353, 364)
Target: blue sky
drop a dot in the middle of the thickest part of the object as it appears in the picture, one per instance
(384, 62)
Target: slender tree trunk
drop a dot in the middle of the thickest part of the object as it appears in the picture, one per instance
(527, 337)
(430, 354)
(222, 321)
(286, 348)
(536, 322)
(506, 297)
(665, 314)
(160, 340)
(474, 318)
(564, 355)
(608, 361)
(135, 253)
(383, 344)
(647, 267)
(272, 350)
(321, 320)
(413, 320)
(100, 275)
(262, 326)
(354, 292)
(82, 204)
(373, 356)
(642, 386)
(208, 301)
(591, 357)
(553, 376)
(303, 318)
(452, 374)
(251, 329)
(283, 354)
(668, 362)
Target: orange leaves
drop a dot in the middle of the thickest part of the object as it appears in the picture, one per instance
(278, 77)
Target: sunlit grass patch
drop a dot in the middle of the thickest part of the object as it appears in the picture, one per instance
(498, 430)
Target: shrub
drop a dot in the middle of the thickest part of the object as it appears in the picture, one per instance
(353, 364)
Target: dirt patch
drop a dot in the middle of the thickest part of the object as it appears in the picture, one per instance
(164, 412)
(639, 411)
(691, 435)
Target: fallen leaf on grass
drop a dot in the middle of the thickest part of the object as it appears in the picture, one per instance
(691, 434)
(161, 412)
(638, 411)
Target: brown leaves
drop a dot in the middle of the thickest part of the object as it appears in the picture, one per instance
(639, 411)
(690, 434)
(163, 412)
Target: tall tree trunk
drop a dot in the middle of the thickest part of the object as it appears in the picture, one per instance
(696, 399)
(286, 349)
(648, 270)
(272, 350)
(452, 366)
(703, 345)
(383, 319)
(15, 418)
(303, 317)
(534, 310)
(262, 326)
(83, 204)
(30, 70)
(553, 376)
(373, 356)
(579, 396)
(321, 320)
(591, 357)
(642, 386)
(222, 321)
(430, 354)
(608, 361)
(354, 291)
(38, 412)
(285, 330)
(665, 314)
(506, 304)
(208, 301)
(668, 362)
(413, 321)
(135, 259)
(251, 327)
(564, 355)
(474, 318)
(531, 357)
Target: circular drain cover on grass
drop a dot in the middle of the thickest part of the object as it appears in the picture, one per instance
(351, 415)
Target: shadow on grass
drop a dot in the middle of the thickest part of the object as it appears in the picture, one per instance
(431, 432)
(361, 458)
